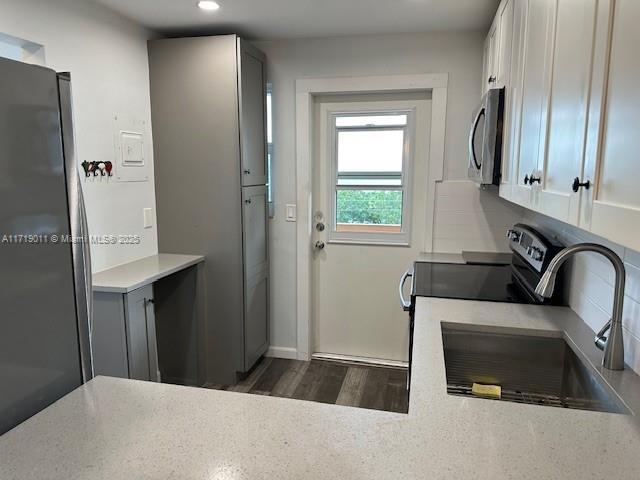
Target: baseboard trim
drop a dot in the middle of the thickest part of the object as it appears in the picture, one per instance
(361, 360)
(282, 352)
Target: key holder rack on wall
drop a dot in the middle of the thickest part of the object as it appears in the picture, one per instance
(100, 170)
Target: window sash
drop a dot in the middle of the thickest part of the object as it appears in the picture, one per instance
(372, 180)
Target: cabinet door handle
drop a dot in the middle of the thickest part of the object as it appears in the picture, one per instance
(526, 180)
(492, 79)
(248, 200)
(577, 184)
(533, 180)
(247, 171)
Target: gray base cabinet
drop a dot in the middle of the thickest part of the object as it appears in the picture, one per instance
(124, 335)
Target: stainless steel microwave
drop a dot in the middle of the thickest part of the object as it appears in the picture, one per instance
(485, 139)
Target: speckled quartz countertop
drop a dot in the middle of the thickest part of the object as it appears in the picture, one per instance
(122, 429)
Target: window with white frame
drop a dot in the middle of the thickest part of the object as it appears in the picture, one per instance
(370, 177)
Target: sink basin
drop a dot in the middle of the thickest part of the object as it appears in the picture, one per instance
(530, 369)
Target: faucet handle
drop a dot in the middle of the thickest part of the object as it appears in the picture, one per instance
(601, 338)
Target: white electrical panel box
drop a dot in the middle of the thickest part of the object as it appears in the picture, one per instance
(131, 150)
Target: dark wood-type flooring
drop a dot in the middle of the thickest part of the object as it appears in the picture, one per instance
(379, 388)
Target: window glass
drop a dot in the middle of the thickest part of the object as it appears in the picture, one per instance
(370, 150)
(370, 157)
(371, 120)
(269, 150)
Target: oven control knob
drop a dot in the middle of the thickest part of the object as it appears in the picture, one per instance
(535, 253)
(513, 235)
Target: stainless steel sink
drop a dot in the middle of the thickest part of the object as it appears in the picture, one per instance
(530, 369)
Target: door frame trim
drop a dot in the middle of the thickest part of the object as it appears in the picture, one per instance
(306, 89)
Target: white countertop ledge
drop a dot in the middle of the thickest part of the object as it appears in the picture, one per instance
(130, 276)
(122, 429)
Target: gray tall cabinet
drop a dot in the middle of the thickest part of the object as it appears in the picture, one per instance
(208, 103)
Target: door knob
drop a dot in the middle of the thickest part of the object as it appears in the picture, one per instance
(577, 184)
(320, 226)
(319, 245)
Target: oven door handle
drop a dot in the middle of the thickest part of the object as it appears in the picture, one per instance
(406, 305)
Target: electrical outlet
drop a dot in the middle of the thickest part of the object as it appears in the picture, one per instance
(147, 214)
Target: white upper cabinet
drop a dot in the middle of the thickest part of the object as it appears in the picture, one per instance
(497, 48)
(568, 108)
(539, 28)
(573, 112)
(612, 206)
(517, 11)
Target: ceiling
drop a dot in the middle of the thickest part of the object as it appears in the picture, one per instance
(285, 19)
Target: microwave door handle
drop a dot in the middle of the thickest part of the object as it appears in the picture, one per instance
(406, 304)
(473, 160)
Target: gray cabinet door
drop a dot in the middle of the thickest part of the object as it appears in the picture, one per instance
(256, 274)
(252, 100)
(141, 337)
(254, 228)
(256, 325)
(109, 335)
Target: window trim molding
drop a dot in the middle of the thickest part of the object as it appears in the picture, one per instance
(306, 89)
(402, 238)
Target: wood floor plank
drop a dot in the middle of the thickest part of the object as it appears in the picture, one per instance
(333, 378)
(375, 389)
(246, 385)
(321, 382)
(327, 382)
(270, 377)
(397, 398)
(290, 379)
(353, 386)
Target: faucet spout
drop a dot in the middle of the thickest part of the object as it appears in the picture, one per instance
(609, 338)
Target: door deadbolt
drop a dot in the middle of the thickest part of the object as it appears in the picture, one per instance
(320, 226)
(319, 245)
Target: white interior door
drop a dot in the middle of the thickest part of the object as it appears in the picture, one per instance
(369, 193)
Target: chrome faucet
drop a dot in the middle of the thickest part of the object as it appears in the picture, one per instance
(611, 343)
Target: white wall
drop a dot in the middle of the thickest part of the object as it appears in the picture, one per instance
(591, 283)
(459, 55)
(107, 58)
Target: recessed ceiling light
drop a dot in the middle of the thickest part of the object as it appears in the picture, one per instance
(208, 5)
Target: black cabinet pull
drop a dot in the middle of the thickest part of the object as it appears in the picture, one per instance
(576, 184)
(526, 180)
(533, 180)
(492, 79)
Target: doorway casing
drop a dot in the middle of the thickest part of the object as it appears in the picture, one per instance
(306, 89)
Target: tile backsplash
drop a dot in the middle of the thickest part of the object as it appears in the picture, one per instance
(591, 283)
(468, 218)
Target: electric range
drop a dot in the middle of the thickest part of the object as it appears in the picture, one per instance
(513, 282)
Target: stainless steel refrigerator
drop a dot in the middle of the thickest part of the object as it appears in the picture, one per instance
(45, 276)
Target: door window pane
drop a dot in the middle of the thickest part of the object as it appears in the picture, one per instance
(370, 150)
(368, 210)
(372, 120)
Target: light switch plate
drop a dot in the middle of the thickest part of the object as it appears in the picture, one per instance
(290, 212)
(147, 213)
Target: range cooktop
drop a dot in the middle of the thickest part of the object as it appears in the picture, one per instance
(492, 283)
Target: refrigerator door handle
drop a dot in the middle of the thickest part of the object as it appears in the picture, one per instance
(80, 246)
(86, 257)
